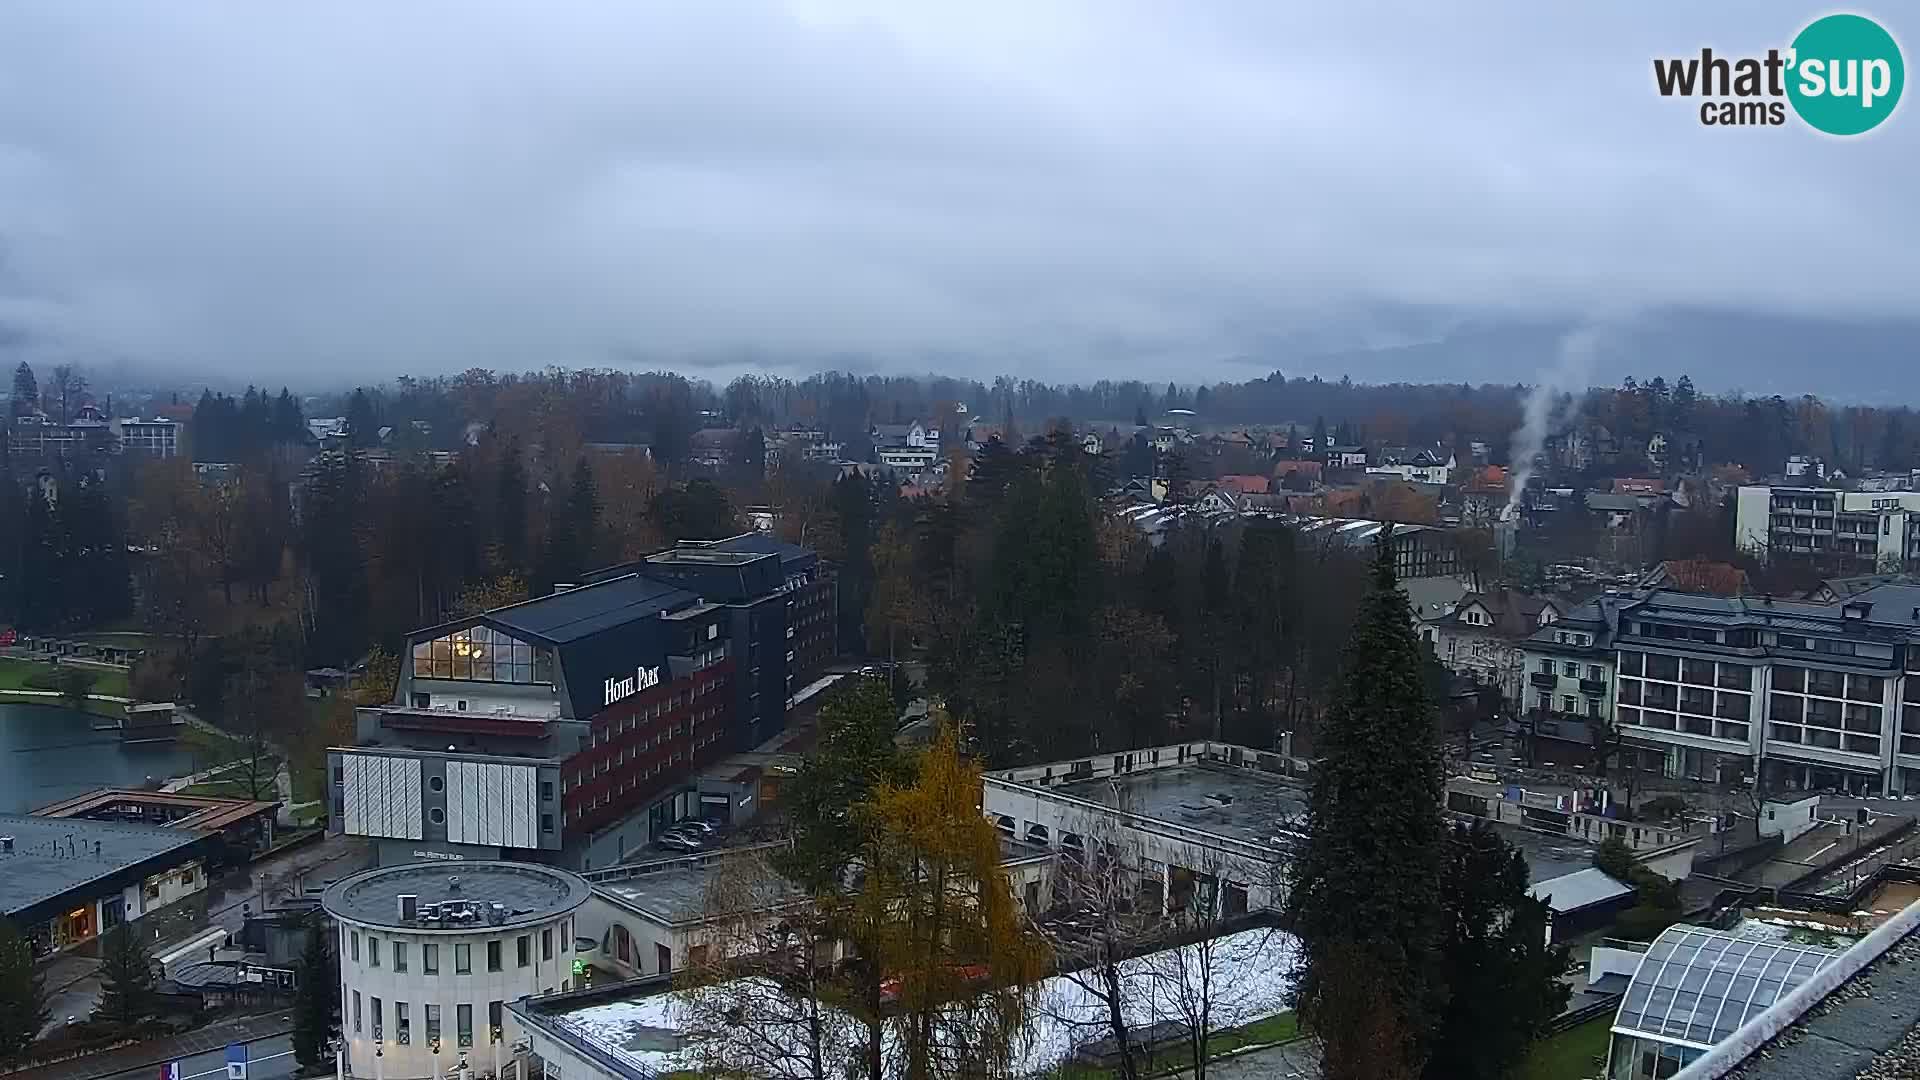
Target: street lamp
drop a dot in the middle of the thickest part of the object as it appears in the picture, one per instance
(341, 1070)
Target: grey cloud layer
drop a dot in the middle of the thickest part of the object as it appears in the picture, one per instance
(1067, 189)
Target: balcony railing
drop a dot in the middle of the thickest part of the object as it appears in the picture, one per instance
(1593, 687)
(1545, 680)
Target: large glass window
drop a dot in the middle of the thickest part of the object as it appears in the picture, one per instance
(482, 654)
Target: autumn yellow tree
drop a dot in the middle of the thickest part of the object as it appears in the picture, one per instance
(508, 588)
(961, 964)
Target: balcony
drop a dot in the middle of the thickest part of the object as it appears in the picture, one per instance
(1593, 687)
(1545, 680)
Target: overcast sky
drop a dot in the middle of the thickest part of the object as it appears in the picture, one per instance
(319, 191)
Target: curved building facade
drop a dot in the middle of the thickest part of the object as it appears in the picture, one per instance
(430, 953)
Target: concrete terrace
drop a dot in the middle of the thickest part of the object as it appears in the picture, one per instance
(1239, 803)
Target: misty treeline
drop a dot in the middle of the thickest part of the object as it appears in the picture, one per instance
(662, 410)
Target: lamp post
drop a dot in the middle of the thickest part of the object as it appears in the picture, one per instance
(339, 1048)
(494, 1037)
(435, 1046)
(379, 1062)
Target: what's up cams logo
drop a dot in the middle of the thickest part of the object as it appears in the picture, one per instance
(1842, 75)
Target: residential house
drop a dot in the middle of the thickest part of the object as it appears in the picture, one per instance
(1483, 636)
(1426, 464)
(1345, 457)
(714, 447)
(1698, 576)
(1567, 706)
(1246, 485)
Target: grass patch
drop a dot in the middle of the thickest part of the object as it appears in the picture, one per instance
(17, 674)
(1274, 1029)
(1574, 1054)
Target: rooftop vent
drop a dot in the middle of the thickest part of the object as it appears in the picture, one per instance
(6, 842)
(453, 883)
(409, 906)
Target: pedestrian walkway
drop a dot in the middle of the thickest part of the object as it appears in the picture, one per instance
(160, 1051)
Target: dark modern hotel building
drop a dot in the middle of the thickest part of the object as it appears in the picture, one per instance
(574, 727)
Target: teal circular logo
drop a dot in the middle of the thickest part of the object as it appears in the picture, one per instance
(1845, 74)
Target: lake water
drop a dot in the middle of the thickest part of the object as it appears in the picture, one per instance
(49, 753)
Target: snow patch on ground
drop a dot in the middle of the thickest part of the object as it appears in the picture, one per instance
(1247, 976)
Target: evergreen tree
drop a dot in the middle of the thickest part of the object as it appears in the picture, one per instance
(1366, 900)
(698, 511)
(1503, 976)
(855, 755)
(289, 425)
(363, 423)
(335, 507)
(510, 510)
(126, 977)
(23, 996)
(1140, 416)
(570, 544)
(316, 1005)
(26, 390)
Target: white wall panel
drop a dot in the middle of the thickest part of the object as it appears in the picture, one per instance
(382, 796)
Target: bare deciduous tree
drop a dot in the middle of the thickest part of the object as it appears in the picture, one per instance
(755, 1001)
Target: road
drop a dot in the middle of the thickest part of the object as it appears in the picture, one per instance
(267, 1059)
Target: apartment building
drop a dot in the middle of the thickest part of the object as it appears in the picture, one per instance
(1870, 529)
(1812, 696)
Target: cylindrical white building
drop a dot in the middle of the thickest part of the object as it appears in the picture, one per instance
(430, 953)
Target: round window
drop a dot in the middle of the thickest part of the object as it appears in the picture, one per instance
(437, 815)
(436, 783)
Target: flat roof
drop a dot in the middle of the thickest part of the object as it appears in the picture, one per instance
(1580, 889)
(1548, 855)
(677, 892)
(54, 856)
(209, 811)
(531, 893)
(1238, 803)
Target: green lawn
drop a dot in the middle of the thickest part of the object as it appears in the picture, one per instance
(1273, 1029)
(15, 675)
(1574, 1054)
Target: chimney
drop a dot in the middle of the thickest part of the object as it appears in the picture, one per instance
(96, 849)
(407, 906)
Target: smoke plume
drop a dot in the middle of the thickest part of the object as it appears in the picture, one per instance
(1546, 401)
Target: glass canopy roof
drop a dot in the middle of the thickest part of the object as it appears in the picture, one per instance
(1699, 985)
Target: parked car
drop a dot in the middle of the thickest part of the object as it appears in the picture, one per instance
(704, 828)
(678, 842)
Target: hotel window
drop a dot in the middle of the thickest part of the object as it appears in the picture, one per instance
(378, 1029)
(546, 944)
(523, 949)
(353, 944)
(493, 955)
(463, 1019)
(373, 951)
(496, 1019)
(356, 1012)
(402, 1024)
(399, 956)
(430, 959)
(433, 1022)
